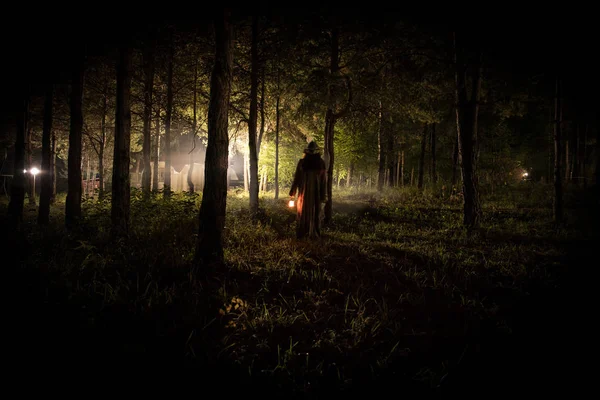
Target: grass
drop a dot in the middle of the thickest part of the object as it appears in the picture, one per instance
(395, 294)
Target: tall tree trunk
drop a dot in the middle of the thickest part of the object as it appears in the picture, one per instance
(467, 116)
(381, 151)
(30, 177)
(169, 112)
(402, 170)
(87, 175)
(262, 113)
(412, 176)
(567, 161)
(53, 168)
(390, 158)
(254, 184)
(190, 176)
(350, 174)
(398, 167)
(120, 179)
(17, 189)
(73, 205)
(147, 145)
(422, 158)
(155, 187)
(455, 161)
(102, 144)
(212, 210)
(277, 116)
(433, 160)
(558, 191)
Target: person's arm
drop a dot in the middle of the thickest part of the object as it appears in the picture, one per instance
(297, 179)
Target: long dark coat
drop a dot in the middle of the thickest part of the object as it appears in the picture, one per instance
(310, 183)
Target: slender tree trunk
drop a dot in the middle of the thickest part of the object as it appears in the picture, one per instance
(17, 189)
(73, 205)
(246, 174)
(190, 176)
(120, 179)
(422, 158)
(262, 113)
(147, 144)
(455, 161)
(254, 184)
(412, 176)
(102, 144)
(433, 160)
(350, 174)
(169, 112)
(212, 211)
(155, 187)
(398, 167)
(381, 152)
(390, 158)
(558, 190)
(467, 115)
(30, 178)
(567, 161)
(402, 169)
(87, 175)
(53, 168)
(277, 116)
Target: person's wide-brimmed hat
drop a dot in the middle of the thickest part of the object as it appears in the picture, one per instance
(312, 148)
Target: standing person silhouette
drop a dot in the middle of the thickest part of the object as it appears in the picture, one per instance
(310, 184)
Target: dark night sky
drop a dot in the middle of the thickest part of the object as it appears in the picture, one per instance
(520, 41)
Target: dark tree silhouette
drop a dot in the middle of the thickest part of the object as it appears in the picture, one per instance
(168, 116)
(212, 211)
(422, 158)
(148, 85)
(120, 179)
(558, 190)
(17, 190)
(47, 171)
(252, 121)
(73, 204)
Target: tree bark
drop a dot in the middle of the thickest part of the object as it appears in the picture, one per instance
(190, 176)
(455, 161)
(467, 115)
(102, 144)
(277, 116)
(147, 145)
(17, 189)
(212, 211)
(558, 191)
(390, 158)
(169, 112)
(412, 176)
(433, 160)
(53, 168)
(398, 167)
(422, 158)
(567, 161)
(120, 180)
(381, 152)
(73, 205)
(402, 170)
(30, 177)
(155, 187)
(262, 113)
(254, 184)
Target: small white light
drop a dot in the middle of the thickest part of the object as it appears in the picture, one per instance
(525, 174)
(34, 171)
(291, 204)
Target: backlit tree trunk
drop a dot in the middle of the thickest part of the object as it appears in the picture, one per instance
(422, 158)
(190, 175)
(147, 144)
(169, 112)
(212, 211)
(17, 189)
(381, 152)
(120, 180)
(467, 113)
(262, 113)
(277, 116)
(102, 144)
(73, 206)
(390, 157)
(254, 184)
(558, 192)
(30, 178)
(156, 151)
(455, 161)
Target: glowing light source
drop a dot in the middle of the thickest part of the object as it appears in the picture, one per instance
(525, 174)
(24, 171)
(291, 204)
(34, 171)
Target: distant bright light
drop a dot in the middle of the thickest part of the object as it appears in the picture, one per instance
(34, 171)
(525, 174)
(291, 204)
(24, 171)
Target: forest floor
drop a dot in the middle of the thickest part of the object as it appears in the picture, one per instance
(394, 297)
